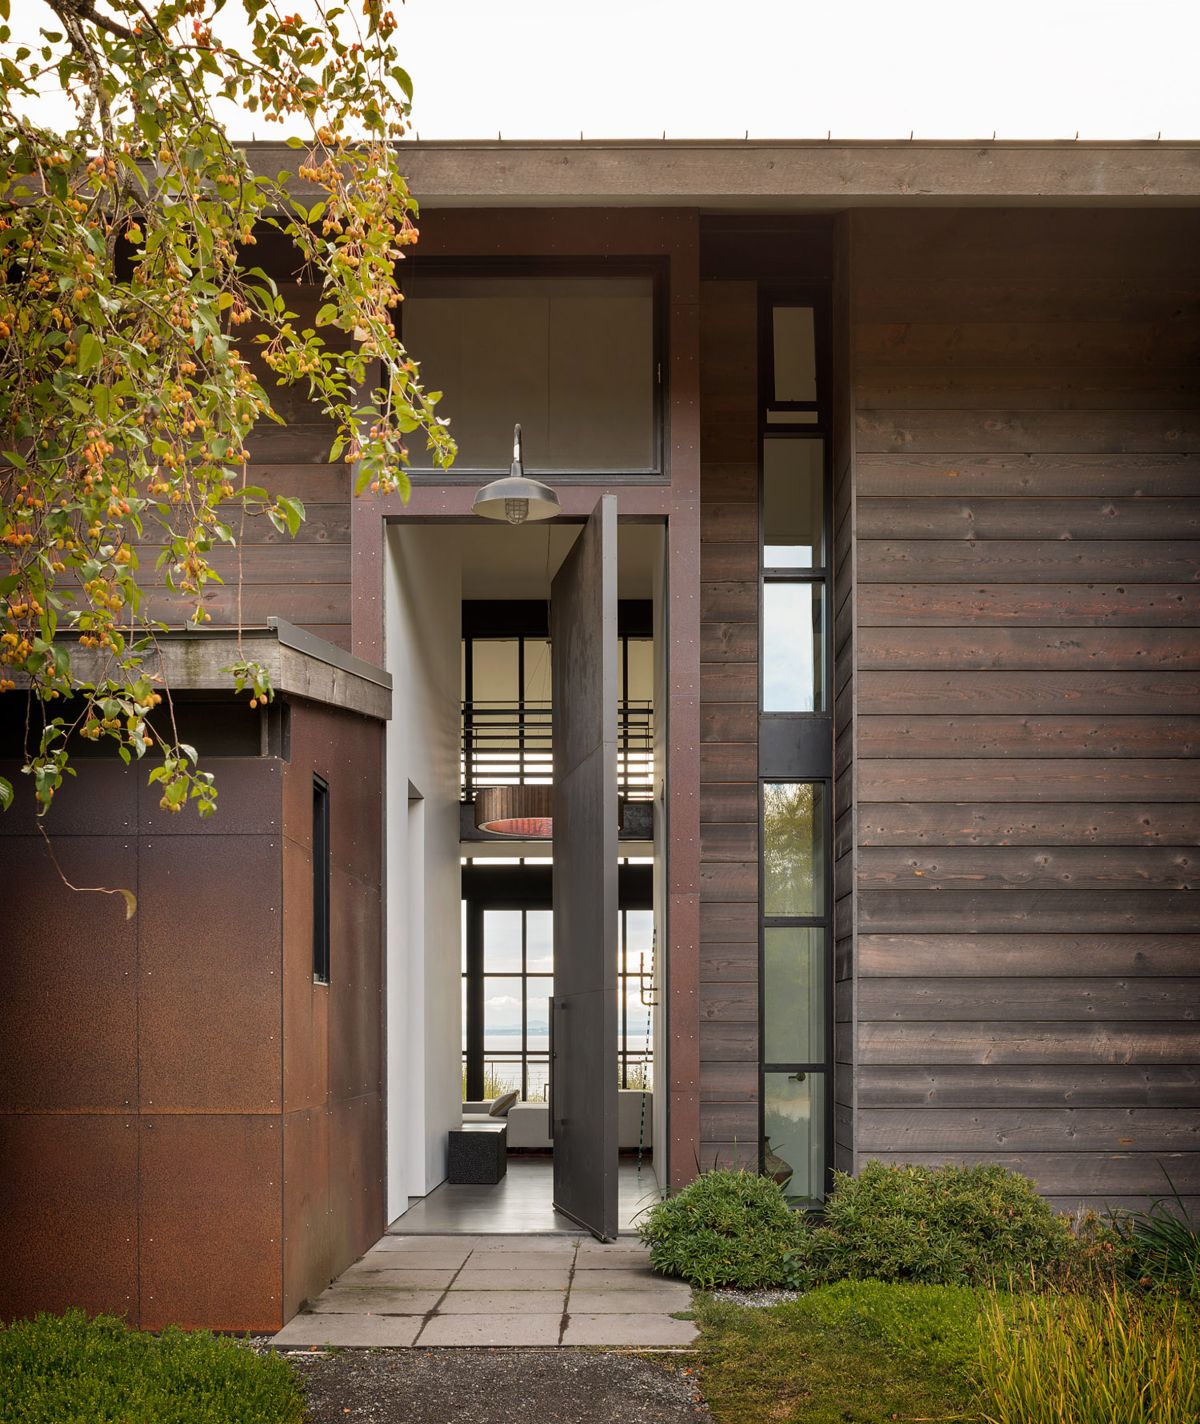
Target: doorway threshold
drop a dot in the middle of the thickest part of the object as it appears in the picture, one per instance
(520, 1204)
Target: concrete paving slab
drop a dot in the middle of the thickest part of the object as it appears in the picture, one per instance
(616, 1302)
(377, 1260)
(631, 1278)
(310, 1332)
(519, 1261)
(460, 1244)
(524, 1245)
(490, 1330)
(612, 1258)
(418, 1278)
(637, 1330)
(342, 1300)
(474, 1277)
(494, 1302)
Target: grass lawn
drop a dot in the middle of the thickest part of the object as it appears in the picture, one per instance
(69, 1369)
(851, 1353)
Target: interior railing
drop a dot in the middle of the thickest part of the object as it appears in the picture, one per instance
(510, 744)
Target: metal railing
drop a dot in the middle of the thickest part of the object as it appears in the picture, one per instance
(510, 744)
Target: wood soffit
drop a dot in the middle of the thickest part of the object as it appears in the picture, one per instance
(300, 664)
(786, 174)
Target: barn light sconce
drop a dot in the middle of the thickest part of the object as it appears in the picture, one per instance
(516, 498)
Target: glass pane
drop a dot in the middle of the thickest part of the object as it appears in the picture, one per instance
(494, 670)
(571, 358)
(793, 848)
(464, 1017)
(637, 1017)
(639, 936)
(537, 670)
(794, 1124)
(501, 1075)
(641, 670)
(538, 989)
(502, 1014)
(793, 521)
(539, 939)
(795, 354)
(501, 941)
(537, 1078)
(794, 972)
(793, 647)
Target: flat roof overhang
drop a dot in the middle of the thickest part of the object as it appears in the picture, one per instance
(786, 175)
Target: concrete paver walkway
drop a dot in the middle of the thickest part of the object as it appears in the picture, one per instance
(496, 1290)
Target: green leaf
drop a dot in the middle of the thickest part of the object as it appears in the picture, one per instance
(90, 352)
(6, 790)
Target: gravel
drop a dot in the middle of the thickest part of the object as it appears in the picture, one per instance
(755, 1298)
(498, 1386)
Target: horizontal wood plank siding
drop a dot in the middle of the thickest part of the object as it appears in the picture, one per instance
(729, 1029)
(1025, 630)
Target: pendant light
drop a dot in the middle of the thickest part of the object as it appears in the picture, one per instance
(516, 498)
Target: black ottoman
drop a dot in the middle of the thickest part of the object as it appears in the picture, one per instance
(478, 1153)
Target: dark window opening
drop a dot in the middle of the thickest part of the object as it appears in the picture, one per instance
(320, 870)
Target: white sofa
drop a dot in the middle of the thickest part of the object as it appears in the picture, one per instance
(529, 1123)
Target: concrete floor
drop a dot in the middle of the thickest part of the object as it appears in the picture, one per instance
(561, 1289)
(520, 1203)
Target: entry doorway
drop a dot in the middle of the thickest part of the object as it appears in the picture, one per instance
(505, 978)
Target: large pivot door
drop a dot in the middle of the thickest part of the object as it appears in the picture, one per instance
(583, 1035)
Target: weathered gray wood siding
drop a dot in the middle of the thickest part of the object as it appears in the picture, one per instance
(307, 579)
(1022, 706)
(729, 562)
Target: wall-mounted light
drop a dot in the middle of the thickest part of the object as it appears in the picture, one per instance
(516, 498)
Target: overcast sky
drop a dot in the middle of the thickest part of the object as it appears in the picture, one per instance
(1115, 69)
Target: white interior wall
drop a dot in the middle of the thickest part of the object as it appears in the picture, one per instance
(661, 652)
(423, 619)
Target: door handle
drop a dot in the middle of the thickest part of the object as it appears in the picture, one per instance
(550, 1075)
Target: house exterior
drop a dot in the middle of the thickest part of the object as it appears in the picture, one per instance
(904, 463)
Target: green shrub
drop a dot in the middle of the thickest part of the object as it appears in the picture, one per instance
(72, 1369)
(1076, 1359)
(937, 1326)
(940, 1225)
(1161, 1248)
(724, 1229)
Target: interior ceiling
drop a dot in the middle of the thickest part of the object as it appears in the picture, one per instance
(499, 561)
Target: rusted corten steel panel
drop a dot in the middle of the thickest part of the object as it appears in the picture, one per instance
(212, 1225)
(68, 1208)
(68, 977)
(100, 800)
(333, 1033)
(210, 965)
(250, 800)
(356, 1177)
(307, 1207)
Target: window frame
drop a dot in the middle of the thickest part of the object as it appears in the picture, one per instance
(656, 268)
(807, 735)
(322, 877)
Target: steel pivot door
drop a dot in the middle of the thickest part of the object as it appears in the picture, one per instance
(583, 1070)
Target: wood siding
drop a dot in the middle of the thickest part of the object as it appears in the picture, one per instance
(729, 1129)
(1019, 607)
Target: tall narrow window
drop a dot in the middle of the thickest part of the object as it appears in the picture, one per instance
(320, 873)
(795, 744)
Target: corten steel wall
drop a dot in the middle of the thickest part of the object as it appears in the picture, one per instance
(140, 1100)
(1021, 715)
(147, 1166)
(729, 560)
(333, 1162)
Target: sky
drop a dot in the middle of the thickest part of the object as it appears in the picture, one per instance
(1021, 69)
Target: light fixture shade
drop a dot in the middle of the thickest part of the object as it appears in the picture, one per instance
(523, 812)
(494, 501)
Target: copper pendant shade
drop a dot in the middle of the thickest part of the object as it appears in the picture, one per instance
(523, 812)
